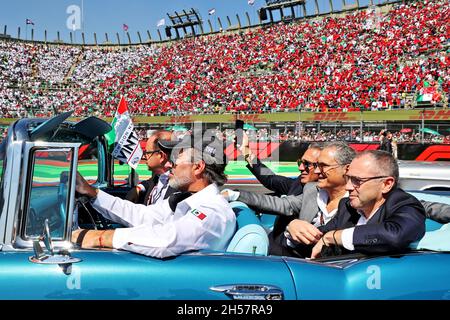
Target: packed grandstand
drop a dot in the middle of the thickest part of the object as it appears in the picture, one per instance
(362, 60)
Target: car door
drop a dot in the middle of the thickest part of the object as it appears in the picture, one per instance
(416, 275)
(114, 274)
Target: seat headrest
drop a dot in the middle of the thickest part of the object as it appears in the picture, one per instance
(250, 237)
(244, 215)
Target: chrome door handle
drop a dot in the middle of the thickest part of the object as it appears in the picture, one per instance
(250, 291)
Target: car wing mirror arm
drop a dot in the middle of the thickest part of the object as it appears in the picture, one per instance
(62, 258)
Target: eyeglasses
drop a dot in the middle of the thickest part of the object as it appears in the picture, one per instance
(150, 153)
(357, 182)
(306, 164)
(328, 167)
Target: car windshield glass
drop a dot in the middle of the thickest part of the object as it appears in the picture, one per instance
(2, 166)
(88, 161)
(48, 193)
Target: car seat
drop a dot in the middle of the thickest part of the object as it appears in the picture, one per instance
(437, 235)
(250, 236)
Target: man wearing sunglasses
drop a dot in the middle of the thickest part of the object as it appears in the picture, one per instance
(314, 208)
(282, 186)
(377, 217)
(278, 184)
(156, 188)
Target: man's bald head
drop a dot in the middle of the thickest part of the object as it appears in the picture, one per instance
(152, 141)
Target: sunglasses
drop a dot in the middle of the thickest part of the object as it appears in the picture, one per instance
(324, 168)
(357, 182)
(306, 164)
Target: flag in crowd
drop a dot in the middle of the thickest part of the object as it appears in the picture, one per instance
(28, 21)
(122, 135)
(251, 2)
(161, 22)
(211, 11)
(125, 27)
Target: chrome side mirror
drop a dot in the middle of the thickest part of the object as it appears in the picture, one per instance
(62, 258)
(47, 238)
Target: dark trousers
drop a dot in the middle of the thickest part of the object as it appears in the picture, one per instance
(278, 242)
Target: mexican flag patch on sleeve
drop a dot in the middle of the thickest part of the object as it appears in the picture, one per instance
(198, 214)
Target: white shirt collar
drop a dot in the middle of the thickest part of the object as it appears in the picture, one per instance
(363, 220)
(322, 201)
(198, 197)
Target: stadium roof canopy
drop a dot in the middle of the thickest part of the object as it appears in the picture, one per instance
(186, 19)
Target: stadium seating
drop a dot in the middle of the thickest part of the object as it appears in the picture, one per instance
(361, 61)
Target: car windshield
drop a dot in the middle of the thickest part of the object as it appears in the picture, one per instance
(2, 166)
(88, 156)
(48, 193)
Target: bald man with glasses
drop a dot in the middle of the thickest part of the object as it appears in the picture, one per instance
(157, 188)
(377, 217)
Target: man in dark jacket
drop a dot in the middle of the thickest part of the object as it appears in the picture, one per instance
(377, 217)
(385, 142)
(281, 185)
(157, 187)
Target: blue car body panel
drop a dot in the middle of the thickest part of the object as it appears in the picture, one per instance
(28, 205)
(420, 275)
(124, 275)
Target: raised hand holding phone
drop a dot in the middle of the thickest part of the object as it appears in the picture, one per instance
(242, 143)
(239, 130)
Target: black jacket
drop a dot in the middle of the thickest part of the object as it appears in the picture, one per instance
(278, 184)
(386, 145)
(398, 222)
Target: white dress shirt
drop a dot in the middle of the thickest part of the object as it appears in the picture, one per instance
(322, 217)
(159, 191)
(204, 220)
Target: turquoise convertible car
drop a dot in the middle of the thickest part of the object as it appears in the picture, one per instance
(39, 209)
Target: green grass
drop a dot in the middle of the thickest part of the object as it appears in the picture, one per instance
(234, 169)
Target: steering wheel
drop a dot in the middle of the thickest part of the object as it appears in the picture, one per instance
(83, 202)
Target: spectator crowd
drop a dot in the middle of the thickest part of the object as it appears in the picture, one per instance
(364, 60)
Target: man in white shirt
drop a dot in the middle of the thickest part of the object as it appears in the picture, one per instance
(195, 218)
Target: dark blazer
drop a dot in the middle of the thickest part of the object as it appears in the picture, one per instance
(398, 222)
(142, 197)
(278, 184)
(288, 208)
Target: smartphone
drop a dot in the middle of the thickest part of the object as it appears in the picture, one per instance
(239, 129)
